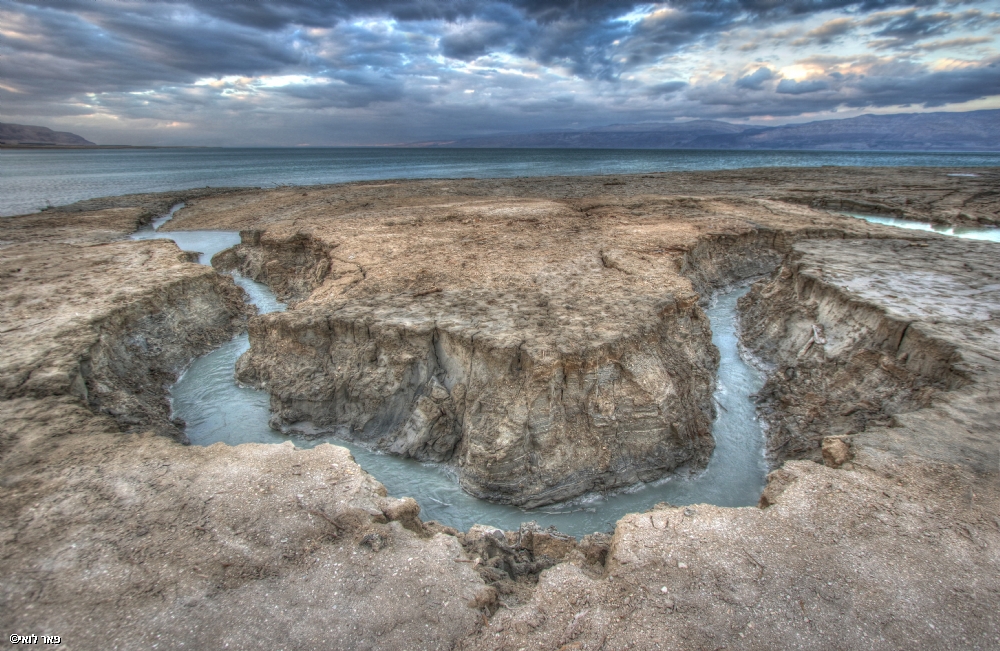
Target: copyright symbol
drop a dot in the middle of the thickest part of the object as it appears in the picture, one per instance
(13, 639)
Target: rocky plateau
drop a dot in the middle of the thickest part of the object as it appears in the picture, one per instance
(546, 338)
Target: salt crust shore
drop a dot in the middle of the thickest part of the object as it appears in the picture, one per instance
(114, 537)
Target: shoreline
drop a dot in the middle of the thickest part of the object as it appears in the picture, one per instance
(69, 180)
(897, 192)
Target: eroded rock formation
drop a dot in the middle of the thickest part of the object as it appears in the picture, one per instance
(165, 544)
(125, 540)
(89, 324)
(559, 349)
(866, 331)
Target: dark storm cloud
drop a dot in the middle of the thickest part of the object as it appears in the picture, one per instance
(899, 28)
(926, 88)
(910, 25)
(343, 95)
(266, 14)
(828, 32)
(496, 26)
(668, 32)
(462, 64)
(579, 33)
(175, 40)
(473, 43)
(952, 43)
(666, 88)
(131, 50)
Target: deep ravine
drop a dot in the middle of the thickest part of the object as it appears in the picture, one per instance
(216, 409)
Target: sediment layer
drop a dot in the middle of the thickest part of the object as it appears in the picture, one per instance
(155, 541)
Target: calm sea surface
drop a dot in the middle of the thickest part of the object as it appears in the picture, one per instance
(30, 179)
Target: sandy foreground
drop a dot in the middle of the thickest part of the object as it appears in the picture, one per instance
(545, 337)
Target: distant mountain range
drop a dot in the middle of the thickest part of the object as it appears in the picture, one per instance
(26, 134)
(968, 131)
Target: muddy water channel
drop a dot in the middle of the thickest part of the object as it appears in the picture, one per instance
(217, 410)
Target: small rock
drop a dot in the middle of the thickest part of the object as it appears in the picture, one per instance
(438, 391)
(664, 590)
(836, 451)
(682, 566)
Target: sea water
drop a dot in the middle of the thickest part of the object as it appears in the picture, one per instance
(30, 180)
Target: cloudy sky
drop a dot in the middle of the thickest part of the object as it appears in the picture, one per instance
(316, 72)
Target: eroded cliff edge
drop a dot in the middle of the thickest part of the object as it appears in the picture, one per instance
(112, 339)
(887, 541)
(880, 336)
(545, 348)
(113, 537)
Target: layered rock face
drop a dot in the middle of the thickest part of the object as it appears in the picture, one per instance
(542, 370)
(544, 348)
(292, 266)
(122, 540)
(138, 541)
(114, 341)
(899, 381)
(526, 421)
(864, 332)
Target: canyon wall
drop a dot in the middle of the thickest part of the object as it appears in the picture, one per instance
(524, 422)
(116, 344)
(589, 377)
(126, 540)
(114, 538)
(843, 361)
(589, 368)
(292, 266)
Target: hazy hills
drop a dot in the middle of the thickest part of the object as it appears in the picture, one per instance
(969, 131)
(26, 134)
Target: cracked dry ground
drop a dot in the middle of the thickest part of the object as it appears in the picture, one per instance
(114, 535)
